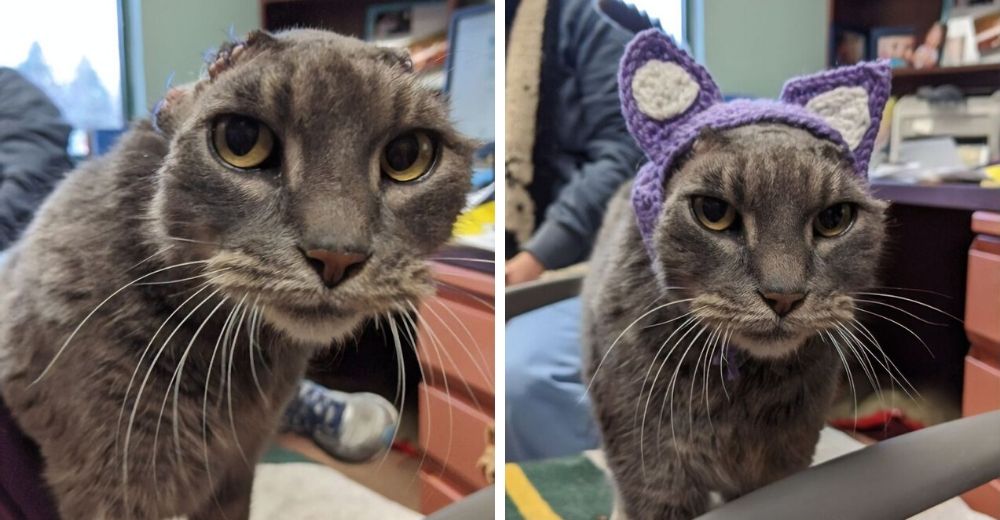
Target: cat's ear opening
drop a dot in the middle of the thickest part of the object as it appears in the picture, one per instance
(849, 99)
(660, 87)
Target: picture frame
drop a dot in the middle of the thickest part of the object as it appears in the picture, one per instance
(895, 44)
(848, 46)
(401, 23)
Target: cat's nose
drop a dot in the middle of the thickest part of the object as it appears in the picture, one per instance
(334, 267)
(782, 303)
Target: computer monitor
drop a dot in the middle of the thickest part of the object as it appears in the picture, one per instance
(469, 78)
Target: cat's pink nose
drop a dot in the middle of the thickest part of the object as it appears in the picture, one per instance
(783, 303)
(334, 267)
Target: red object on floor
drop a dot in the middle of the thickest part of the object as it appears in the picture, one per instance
(879, 425)
(406, 448)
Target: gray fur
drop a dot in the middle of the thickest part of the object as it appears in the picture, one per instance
(727, 436)
(161, 199)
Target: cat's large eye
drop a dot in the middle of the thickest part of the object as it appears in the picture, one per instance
(835, 220)
(409, 156)
(242, 142)
(713, 213)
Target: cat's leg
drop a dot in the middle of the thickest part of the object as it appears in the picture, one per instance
(231, 499)
(667, 492)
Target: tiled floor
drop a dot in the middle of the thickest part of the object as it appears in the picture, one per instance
(394, 476)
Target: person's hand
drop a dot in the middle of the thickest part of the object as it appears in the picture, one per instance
(524, 267)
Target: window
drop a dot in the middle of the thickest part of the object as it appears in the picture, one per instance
(71, 49)
(670, 14)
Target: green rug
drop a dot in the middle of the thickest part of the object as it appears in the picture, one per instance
(571, 488)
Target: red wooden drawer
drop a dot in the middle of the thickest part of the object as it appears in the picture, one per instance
(436, 493)
(986, 222)
(981, 392)
(459, 449)
(456, 339)
(982, 300)
(985, 499)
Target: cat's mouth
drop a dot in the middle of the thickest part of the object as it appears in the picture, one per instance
(774, 342)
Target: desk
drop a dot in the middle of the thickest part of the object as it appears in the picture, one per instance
(933, 246)
(455, 347)
(929, 236)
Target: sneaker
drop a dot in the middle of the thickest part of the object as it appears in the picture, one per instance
(349, 427)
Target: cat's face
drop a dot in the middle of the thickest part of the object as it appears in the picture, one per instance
(314, 173)
(770, 231)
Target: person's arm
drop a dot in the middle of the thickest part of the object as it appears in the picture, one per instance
(33, 157)
(611, 156)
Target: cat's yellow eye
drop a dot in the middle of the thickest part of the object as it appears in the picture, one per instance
(409, 156)
(835, 220)
(713, 213)
(242, 142)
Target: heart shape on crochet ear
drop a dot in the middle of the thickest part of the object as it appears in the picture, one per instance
(661, 87)
(846, 110)
(849, 99)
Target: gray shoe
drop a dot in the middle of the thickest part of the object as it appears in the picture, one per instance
(349, 427)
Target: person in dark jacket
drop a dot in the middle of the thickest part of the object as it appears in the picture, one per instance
(568, 151)
(33, 157)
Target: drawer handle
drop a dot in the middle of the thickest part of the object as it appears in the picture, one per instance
(487, 461)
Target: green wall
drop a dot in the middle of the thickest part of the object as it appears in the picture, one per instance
(173, 36)
(753, 46)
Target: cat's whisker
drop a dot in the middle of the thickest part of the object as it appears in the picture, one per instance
(229, 386)
(128, 389)
(653, 363)
(204, 398)
(479, 368)
(191, 241)
(465, 292)
(150, 257)
(447, 355)
(847, 371)
(187, 279)
(695, 321)
(145, 381)
(708, 364)
(868, 370)
(943, 295)
(401, 379)
(900, 309)
(254, 317)
(886, 362)
(724, 359)
(673, 385)
(439, 348)
(622, 334)
(702, 354)
(671, 320)
(409, 327)
(175, 381)
(898, 324)
(911, 300)
(142, 357)
(462, 259)
(99, 305)
(468, 333)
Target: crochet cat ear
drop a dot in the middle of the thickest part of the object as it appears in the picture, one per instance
(661, 86)
(849, 99)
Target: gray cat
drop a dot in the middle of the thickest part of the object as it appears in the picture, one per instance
(161, 309)
(719, 294)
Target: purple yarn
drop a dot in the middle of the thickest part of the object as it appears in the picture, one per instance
(664, 141)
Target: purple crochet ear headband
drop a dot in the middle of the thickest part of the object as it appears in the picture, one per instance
(668, 99)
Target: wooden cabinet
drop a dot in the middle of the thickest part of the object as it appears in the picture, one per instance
(455, 348)
(981, 392)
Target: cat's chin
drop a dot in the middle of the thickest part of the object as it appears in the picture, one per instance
(765, 346)
(312, 332)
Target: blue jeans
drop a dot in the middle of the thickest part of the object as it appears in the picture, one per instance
(547, 410)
